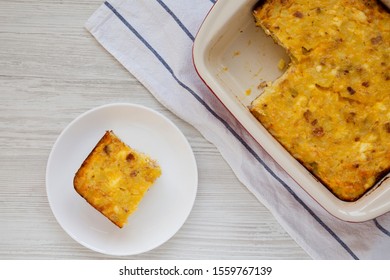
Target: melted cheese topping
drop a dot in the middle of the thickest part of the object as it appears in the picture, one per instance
(331, 108)
(114, 178)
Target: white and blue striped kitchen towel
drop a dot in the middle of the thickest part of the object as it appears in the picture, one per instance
(153, 40)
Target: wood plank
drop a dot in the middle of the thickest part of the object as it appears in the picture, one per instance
(52, 70)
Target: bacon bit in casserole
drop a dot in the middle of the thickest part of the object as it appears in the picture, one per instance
(298, 14)
(376, 40)
(318, 131)
(366, 84)
(387, 127)
(130, 157)
(351, 90)
(307, 115)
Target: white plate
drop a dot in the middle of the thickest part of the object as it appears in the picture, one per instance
(164, 208)
(233, 56)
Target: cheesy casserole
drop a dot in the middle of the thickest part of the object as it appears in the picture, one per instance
(331, 108)
(114, 178)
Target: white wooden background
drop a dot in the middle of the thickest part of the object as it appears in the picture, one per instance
(52, 70)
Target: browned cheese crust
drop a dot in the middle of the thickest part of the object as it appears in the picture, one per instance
(331, 108)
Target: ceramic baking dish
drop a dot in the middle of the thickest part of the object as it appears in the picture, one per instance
(233, 57)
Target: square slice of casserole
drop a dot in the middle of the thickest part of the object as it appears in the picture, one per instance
(114, 178)
(331, 108)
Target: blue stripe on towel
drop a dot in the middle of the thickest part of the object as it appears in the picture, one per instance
(197, 97)
(165, 7)
(381, 228)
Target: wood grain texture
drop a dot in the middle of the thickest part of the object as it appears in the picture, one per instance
(52, 70)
